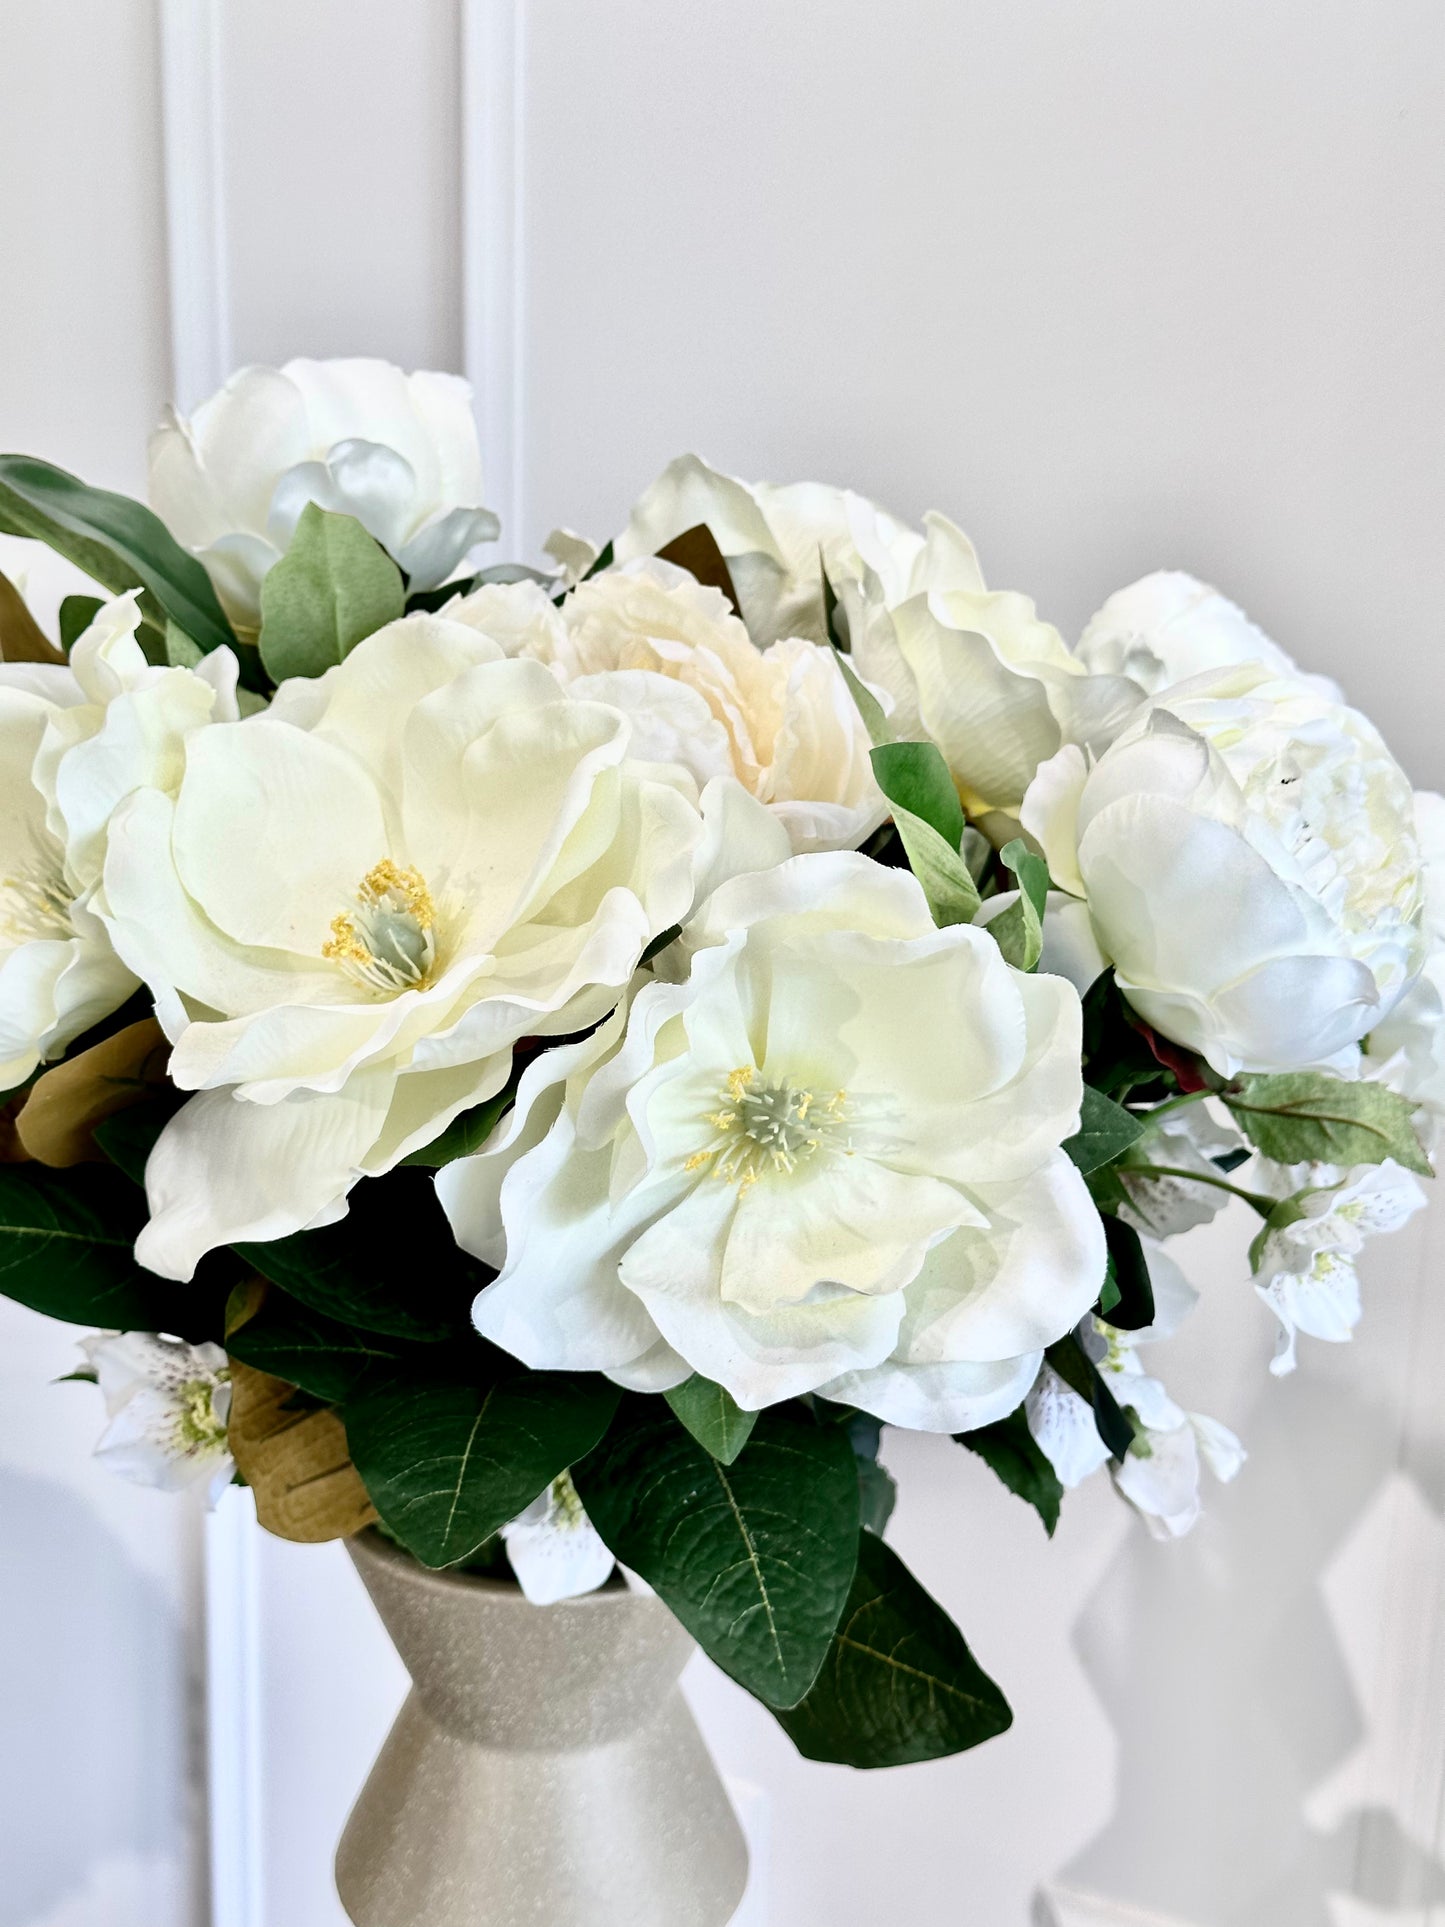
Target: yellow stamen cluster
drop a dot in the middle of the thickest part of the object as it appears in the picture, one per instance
(767, 1127)
(387, 942)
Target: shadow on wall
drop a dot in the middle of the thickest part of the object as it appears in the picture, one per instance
(1224, 1676)
(92, 1700)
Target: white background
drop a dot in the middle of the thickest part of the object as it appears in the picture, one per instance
(1117, 283)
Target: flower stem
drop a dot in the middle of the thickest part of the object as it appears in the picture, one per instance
(1262, 1204)
(1156, 1111)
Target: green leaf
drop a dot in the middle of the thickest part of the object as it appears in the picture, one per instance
(448, 1464)
(697, 551)
(899, 1683)
(713, 1417)
(1019, 930)
(117, 542)
(1132, 1302)
(754, 1558)
(129, 1137)
(864, 701)
(1309, 1117)
(835, 625)
(915, 776)
(1082, 1375)
(390, 1265)
(333, 1361)
(1117, 1058)
(1106, 1130)
(467, 1133)
(946, 879)
(877, 1495)
(77, 612)
(67, 1249)
(181, 652)
(334, 586)
(1008, 1448)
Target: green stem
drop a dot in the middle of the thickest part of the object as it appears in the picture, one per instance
(1262, 1204)
(1156, 1111)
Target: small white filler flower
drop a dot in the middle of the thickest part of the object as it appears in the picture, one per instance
(168, 1404)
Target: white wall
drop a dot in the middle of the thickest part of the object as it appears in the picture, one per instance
(1119, 285)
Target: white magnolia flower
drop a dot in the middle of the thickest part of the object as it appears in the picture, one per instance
(828, 1160)
(397, 451)
(74, 741)
(554, 1548)
(1248, 855)
(168, 1403)
(1160, 1473)
(1306, 1272)
(1189, 1139)
(672, 655)
(778, 539)
(1170, 626)
(357, 901)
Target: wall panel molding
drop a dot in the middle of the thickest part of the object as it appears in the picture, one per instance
(493, 252)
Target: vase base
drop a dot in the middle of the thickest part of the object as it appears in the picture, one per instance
(635, 1832)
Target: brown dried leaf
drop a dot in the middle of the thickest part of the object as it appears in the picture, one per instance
(21, 637)
(294, 1457)
(696, 550)
(58, 1120)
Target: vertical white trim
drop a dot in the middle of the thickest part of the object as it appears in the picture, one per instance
(191, 108)
(493, 313)
(200, 311)
(233, 1713)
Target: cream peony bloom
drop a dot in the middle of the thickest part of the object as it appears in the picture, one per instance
(777, 540)
(827, 1160)
(672, 655)
(1170, 626)
(1407, 1050)
(356, 902)
(74, 741)
(1247, 851)
(397, 451)
(168, 1404)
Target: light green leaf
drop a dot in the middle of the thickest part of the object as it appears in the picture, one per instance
(915, 776)
(1106, 1130)
(1019, 930)
(868, 705)
(1008, 1448)
(1031, 871)
(945, 878)
(713, 1416)
(754, 1558)
(1309, 1117)
(117, 542)
(899, 1683)
(181, 652)
(334, 586)
(447, 1464)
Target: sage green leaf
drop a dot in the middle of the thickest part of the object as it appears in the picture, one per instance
(1019, 930)
(334, 586)
(1010, 1451)
(448, 1464)
(325, 1357)
(1031, 871)
(1310, 1117)
(755, 1558)
(1106, 1130)
(390, 1265)
(947, 882)
(67, 1249)
(117, 542)
(77, 612)
(866, 703)
(899, 1683)
(181, 652)
(915, 776)
(713, 1416)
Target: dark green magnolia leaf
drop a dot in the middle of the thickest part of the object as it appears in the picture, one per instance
(1082, 1375)
(835, 621)
(390, 1265)
(333, 1361)
(77, 612)
(1132, 1304)
(334, 586)
(67, 1249)
(899, 1683)
(713, 1417)
(877, 1489)
(130, 1136)
(915, 776)
(466, 1134)
(449, 1464)
(117, 542)
(1309, 1117)
(1117, 1059)
(1109, 1292)
(1106, 1130)
(1008, 1449)
(754, 1558)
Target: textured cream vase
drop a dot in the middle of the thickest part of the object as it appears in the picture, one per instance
(545, 1770)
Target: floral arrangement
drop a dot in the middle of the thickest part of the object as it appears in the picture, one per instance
(553, 1061)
